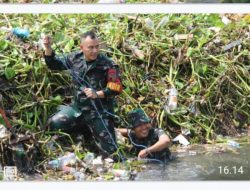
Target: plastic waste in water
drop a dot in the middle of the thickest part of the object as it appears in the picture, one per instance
(79, 176)
(98, 161)
(122, 174)
(67, 169)
(63, 161)
(88, 159)
(233, 144)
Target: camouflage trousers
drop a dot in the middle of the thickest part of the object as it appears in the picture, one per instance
(102, 130)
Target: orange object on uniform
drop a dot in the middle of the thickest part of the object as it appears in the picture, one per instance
(114, 82)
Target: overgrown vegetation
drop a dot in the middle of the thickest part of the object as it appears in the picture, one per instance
(192, 52)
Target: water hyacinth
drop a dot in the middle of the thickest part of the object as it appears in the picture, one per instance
(212, 81)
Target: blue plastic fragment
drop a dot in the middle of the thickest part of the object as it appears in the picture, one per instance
(21, 32)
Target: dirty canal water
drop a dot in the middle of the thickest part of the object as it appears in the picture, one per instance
(223, 161)
(202, 162)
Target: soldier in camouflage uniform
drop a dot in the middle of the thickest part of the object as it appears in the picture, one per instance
(153, 142)
(96, 81)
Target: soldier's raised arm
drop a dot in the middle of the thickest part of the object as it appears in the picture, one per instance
(53, 61)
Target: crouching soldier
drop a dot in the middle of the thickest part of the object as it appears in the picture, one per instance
(148, 142)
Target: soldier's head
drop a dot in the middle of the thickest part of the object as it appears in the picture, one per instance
(90, 45)
(139, 123)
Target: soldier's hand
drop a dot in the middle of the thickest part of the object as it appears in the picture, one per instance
(46, 43)
(143, 153)
(90, 93)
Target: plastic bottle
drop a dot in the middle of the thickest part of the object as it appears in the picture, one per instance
(20, 32)
(172, 98)
(62, 161)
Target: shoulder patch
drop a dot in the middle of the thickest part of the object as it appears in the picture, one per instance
(114, 82)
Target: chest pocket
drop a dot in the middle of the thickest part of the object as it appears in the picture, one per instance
(97, 78)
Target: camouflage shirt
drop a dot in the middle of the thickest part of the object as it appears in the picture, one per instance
(100, 74)
(151, 139)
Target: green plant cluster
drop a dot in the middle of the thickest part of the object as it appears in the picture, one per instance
(195, 53)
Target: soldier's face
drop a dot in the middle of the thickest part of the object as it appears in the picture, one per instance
(90, 48)
(141, 131)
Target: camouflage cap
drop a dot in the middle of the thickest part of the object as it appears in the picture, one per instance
(137, 117)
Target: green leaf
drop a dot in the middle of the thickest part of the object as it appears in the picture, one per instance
(57, 99)
(3, 45)
(9, 73)
(204, 69)
(2, 120)
(178, 84)
(69, 45)
(190, 52)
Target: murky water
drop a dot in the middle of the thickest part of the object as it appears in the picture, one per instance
(203, 163)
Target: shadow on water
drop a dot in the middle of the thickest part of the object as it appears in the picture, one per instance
(203, 163)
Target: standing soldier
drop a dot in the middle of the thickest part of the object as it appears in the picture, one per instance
(96, 81)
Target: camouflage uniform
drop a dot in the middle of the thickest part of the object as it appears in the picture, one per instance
(137, 117)
(101, 74)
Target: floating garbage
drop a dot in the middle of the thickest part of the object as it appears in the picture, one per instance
(98, 165)
(68, 169)
(182, 140)
(98, 161)
(121, 174)
(88, 159)
(63, 161)
(79, 176)
(233, 144)
(108, 160)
